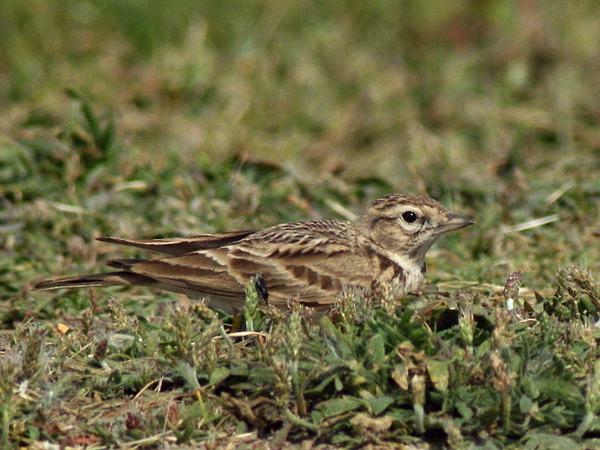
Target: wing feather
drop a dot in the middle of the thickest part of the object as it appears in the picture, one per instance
(181, 246)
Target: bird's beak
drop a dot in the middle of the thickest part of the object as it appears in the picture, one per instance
(455, 222)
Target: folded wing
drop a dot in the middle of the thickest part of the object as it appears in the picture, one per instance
(305, 260)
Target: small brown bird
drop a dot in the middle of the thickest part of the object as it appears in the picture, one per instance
(312, 261)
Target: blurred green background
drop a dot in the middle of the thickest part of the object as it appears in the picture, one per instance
(405, 90)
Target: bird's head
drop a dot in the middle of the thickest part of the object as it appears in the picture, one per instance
(408, 224)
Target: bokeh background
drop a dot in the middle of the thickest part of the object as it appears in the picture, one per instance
(405, 90)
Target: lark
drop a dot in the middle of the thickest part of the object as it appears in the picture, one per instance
(309, 261)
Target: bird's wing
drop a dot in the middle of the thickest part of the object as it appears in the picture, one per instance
(309, 261)
(181, 246)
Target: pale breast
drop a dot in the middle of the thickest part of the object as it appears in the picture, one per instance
(402, 272)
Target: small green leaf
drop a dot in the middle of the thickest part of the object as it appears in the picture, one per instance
(324, 383)
(218, 375)
(550, 442)
(338, 344)
(262, 375)
(379, 404)
(400, 376)
(531, 387)
(439, 375)
(525, 404)
(338, 406)
(464, 410)
(483, 349)
(376, 350)
(338, 384)
(316, 416)
(561, 389)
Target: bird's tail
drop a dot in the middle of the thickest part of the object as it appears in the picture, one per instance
(120, 278)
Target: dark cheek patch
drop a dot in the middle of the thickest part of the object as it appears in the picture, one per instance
(380, 230)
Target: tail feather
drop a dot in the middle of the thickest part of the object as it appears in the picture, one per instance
(120, 278)
(182, 246)
(124, 264)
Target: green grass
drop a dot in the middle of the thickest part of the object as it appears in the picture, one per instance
(162, 119)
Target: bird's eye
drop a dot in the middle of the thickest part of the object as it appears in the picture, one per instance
(409, 216)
